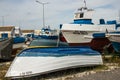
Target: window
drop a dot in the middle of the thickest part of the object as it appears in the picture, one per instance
(77, 15)
(81, 15)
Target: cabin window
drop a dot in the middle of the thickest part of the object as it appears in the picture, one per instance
(46, 32)
(77, 15)
(81, 15)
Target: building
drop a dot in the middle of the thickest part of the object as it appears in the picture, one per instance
(10, 31)
(25, 32)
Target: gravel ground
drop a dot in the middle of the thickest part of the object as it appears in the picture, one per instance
(107, 75)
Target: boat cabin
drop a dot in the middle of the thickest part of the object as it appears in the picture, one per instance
(83, 16)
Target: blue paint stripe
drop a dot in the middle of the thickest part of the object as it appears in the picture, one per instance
(57, 52)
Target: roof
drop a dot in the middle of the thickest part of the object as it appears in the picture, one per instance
(7, 28)
(27, 31)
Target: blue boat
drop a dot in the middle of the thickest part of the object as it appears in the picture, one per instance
(37, 61)
(47, 33)
(17, 36)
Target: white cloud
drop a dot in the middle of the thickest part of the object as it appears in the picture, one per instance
(28, 13)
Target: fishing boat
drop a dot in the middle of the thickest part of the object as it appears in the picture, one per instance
(114, 37)
(47, 33)
(36, 61)
(17, 36)
(6, 45)
(80, 32)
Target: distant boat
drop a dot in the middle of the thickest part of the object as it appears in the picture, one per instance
(37, 61)
(6, 45)
(17, 37)
(81, 31)
(114, 37)
(47, 33)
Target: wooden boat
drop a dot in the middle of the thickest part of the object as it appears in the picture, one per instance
(37, 61)
(6, 45)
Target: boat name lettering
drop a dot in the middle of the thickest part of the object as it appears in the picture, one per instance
(26, 73)
(80, 32)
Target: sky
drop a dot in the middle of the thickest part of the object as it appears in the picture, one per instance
(28, 14)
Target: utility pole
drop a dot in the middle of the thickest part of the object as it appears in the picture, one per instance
(2, 20)
(85, 2)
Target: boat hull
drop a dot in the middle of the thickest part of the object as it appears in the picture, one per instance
(6, 48)
(97, 43)
(32, 66)
(77, 37)
(115, 40)
(44, 65)
(48, 37)
(84, 34)
(116, 46)
(46, 43)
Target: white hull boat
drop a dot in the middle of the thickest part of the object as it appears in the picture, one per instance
(76, 33)
(80, 32)
(114, 37)
(37, 61)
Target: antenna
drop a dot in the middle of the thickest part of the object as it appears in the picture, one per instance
(85, 2)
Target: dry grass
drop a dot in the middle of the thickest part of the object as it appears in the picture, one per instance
(3, 69)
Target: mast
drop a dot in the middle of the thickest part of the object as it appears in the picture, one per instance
(85, 3)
